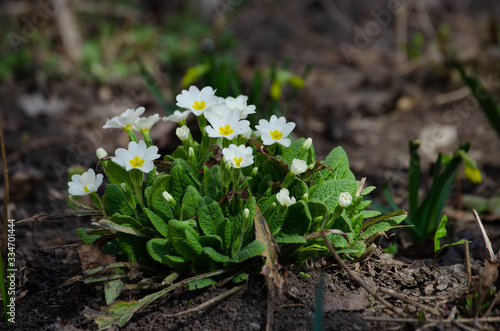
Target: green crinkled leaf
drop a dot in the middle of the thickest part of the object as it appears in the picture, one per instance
(225, 231)
(209, 215)
(150, 178)
(367, 190)
(338, 161)
(383, 226)
(212, 182)
(201, 283)
(253, 249)
(318, 210)
(298, 188)
(125, 219)
(87, 238)
(264, 184)
(240, 277)
(115, 201)
(160, 206)
(213, 241)
(185, 240)
(293, 151)
(190, 203)
(297, 219)
(159, 224)
(134, 248)
(215, 256)
(328, 192)
(182, 177)
(357, 205)
(290, 239)
(271, 168)
(370, 213)
(158, 249)
(117, 174)
(353, 251)
(159, 185)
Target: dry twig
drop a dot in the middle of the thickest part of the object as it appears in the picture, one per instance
(410, 302)
(357, 279)
(207, 303)
(487, 241)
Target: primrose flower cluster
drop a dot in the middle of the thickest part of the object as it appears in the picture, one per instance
(201, 207)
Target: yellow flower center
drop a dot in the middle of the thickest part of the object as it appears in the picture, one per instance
(127, 127)
(137, 162)
(85, 189)
(276, 135)
(225, 130)
(238, 161)
(199, 105)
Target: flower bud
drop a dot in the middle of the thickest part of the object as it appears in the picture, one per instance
(298, 167)
(345, 199)
(182, 132)
(168, 197)
(101, 153)
(255, 171)
(246, 213)
(307, 143)
(191, 153)
(284, 198)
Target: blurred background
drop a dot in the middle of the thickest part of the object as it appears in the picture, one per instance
(368, 76)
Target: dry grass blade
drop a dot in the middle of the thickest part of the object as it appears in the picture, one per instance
(487, 241)
(271, 267)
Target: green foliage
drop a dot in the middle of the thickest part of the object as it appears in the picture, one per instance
(489, 106)
(202, 213)
(425, 216)
(441, 233)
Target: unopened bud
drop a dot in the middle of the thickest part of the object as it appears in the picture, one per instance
(101, 153)
(345, 199)
(307, 144)
(298, 167)
(182, 132)
(168, 197)
(191, 152)
(255, 171)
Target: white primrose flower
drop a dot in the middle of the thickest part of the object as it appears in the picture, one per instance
(85, 183)
(182, 132)
(195, 100)
(298, 167)
(238, 156)
(125, 120)
(178, 117)
(227, 126)
(275, 131)
(138, 156)
(240, 104)
(284, 198)
(144, 124)
(345, 199)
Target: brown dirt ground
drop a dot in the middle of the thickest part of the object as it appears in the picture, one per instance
(371, 107)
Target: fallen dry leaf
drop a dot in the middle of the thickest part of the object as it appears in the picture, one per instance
(92, 257)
